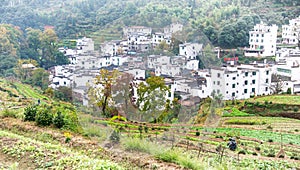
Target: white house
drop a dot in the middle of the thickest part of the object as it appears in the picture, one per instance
(262, 41)
(159, 37)
(137, 29)
(190, 50)
(84, 45)
(290, 33)
(91, 61)
(240, 82)
(138, 42)
(61, 76)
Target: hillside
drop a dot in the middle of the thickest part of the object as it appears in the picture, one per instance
(263, 142)
(103, 20)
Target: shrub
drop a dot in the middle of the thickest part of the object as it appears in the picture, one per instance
(243, 152)
(254, 154)
(296, 130)
(197, 133)
(257, 148)
(8, 113)
(115, 137)
(30, 113)
(296, 109)
(270, 140)
(58, 120)
(43, 117)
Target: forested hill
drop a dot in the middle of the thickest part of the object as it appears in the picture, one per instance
(104, 19)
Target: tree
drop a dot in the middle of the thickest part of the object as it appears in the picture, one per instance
(63, 93)
(50, 56)
(276, 84)
(208, 58)
(100, 94)
(152, 97)
(122, 91)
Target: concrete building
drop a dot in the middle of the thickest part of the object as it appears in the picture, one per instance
(159, 37)
(190, 50)
(84, 45)
(241, 82)
(136, 29)
(138, 42)
(262, 41)
(290, 33)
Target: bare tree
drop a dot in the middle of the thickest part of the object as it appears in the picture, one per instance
(276, 84)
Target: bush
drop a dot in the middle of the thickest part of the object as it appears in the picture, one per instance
(270, 140)
(257, 148)
(58, 120)
(44, 117)
(30, 113)
(197, 133)
(296, 109)
(243, 152)
(115, 137)
(8, 113)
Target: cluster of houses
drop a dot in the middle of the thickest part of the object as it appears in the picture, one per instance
(181, 72)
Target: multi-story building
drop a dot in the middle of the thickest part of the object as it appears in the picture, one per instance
(136, 29)
(262, 41)
(241, 82)
(158, 38)
(190, 50)
(291, 32)
(139, 42)
(84, 45)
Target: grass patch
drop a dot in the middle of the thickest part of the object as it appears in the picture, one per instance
(236, 113)
(245, 122)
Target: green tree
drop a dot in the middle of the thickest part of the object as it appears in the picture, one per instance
(152, 97)
(100, 93)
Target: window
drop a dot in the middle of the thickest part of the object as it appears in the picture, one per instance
(226, 84)
(218, 91)
(233, 85)
(219, 75)
(245, 91)
(233, 78)
(214, 82)
(233, 94)
(267, 80)
(246, 82)
(246, 74)
(267, 72)
(253, 90)
(253, 81)
(253, 73)
(266, 89)
(218, 82)
(227, 75)
(226, 92)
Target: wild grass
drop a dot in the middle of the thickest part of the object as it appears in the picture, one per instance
(163, 153)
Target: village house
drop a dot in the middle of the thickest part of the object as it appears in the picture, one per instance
(61, 76)
(242, 81)
(262, 41)
(190, 50)
(158, 38)
(291, 32)
(136, 29)
(138, 42)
